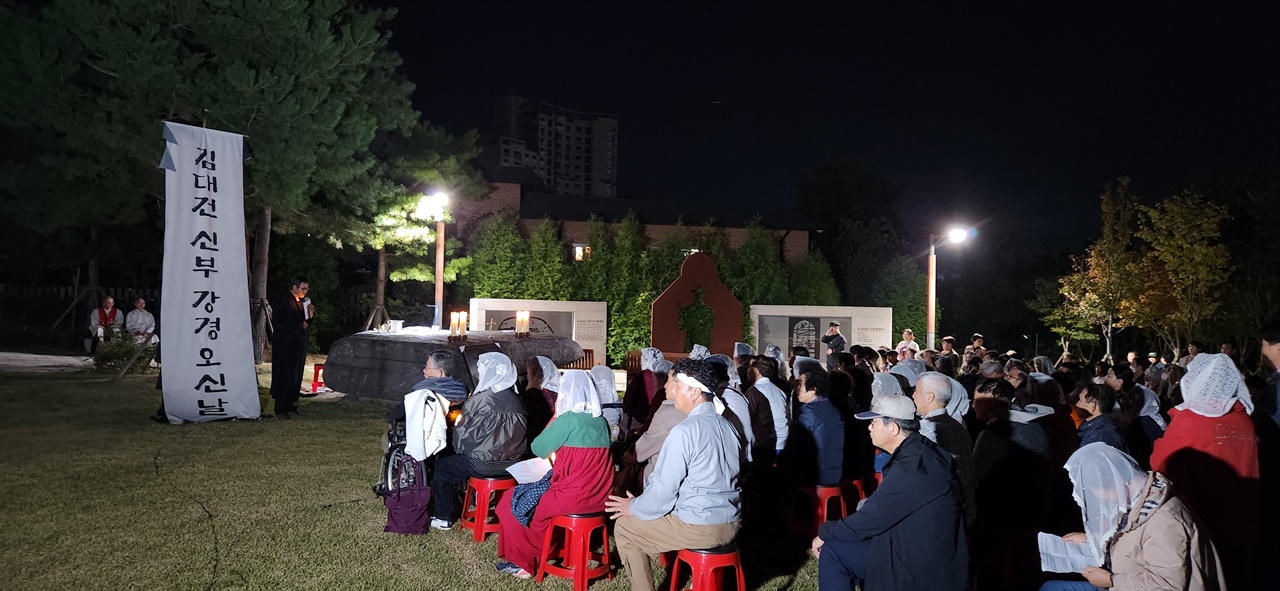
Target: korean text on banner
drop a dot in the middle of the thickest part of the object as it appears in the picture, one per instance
(205, 341)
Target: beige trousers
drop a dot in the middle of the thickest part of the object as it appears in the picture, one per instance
(640, 541)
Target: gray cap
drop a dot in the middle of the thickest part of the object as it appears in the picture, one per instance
(890, 406)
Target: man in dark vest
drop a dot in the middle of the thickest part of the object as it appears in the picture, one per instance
(290, 317)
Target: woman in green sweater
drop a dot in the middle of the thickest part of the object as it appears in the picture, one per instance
(581, 474)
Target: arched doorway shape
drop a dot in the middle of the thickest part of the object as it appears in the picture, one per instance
(697, 272)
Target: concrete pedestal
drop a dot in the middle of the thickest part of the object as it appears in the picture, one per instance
(379, 365)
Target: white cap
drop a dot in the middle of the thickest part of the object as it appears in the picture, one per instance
(890, 406)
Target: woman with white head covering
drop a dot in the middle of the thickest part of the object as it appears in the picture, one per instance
(605, 386)
(699, 352)
(640, 390)
(741, 349)
(649, 356)
(581, 474)
(886, 384)
(910, 369)
(1140, 535)
(1210, 452)
(550, 376)
(540, 397)
(735, 381)
(803, 364)
(775, 352)
(488, 438)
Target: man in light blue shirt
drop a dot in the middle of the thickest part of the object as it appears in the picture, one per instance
(691, 501)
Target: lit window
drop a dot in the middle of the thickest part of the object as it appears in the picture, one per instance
(581, 252)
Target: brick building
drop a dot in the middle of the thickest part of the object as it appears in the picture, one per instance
(510, 192)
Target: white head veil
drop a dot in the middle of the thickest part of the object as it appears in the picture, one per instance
(803, 364)
(958, 406)
(662, 366)
(775, 352)
(699, 352)
(883, 383)
(578, 394)
(550, 374)
(910, 369)
(1151, 407)
(735, 381)
(1106, 483)
(1212, 385)
(496, 372)
(740, 349)
(649, 356)
(607, 390)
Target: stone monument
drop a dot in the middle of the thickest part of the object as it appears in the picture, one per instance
(697, 272)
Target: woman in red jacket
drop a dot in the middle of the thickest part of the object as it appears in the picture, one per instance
(1210, 453)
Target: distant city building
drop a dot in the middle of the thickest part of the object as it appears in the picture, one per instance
(572, 152)
(509, 193)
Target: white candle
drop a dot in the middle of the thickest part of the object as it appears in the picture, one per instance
(462, 324)
(453, 324)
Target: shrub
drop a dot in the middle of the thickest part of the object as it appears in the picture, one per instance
(111, 356)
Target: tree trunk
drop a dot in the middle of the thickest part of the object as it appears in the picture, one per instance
(258, 285)
(380, 283)
(1106, 334)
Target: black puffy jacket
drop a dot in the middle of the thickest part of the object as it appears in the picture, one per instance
(492, 428)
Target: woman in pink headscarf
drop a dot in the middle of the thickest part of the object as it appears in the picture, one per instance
(1210, 453)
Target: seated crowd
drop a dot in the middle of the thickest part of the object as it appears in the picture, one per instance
(955, 463)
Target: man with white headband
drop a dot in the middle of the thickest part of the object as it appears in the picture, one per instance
(692, 499)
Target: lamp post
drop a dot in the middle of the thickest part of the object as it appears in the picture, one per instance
(955, 235)
(432, 207)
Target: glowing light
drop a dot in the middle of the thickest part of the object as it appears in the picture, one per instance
(431, 207)
(957, 235)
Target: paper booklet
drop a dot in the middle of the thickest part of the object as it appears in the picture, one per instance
(529, 470)
(1060, 556)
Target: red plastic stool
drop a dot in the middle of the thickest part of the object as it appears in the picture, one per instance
(574, 549)
(824, 495)
(477, 520)
(706, 565)
(820, 498)
(861, 487)
(316, 382)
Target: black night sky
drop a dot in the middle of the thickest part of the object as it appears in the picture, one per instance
(1017, 112)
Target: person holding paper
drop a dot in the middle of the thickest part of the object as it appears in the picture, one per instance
(581, 474)
(1134, 523)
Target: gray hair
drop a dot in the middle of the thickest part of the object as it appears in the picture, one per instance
(906, 425)
(441, 360)
(991, 369)
(940, 385)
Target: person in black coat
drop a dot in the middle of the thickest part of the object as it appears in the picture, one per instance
(835, 345)
(290, 318)
(909, 534)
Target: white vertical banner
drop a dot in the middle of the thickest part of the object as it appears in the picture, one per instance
(206, 348)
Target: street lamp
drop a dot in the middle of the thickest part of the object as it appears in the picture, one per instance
(432, 207)
(956, 236)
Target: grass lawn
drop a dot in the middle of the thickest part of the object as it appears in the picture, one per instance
(94, 495)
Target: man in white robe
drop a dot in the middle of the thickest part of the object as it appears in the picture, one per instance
(140, 323)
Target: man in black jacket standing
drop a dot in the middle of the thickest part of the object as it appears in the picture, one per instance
(290, 318)
(910, 533)
(835, 345)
